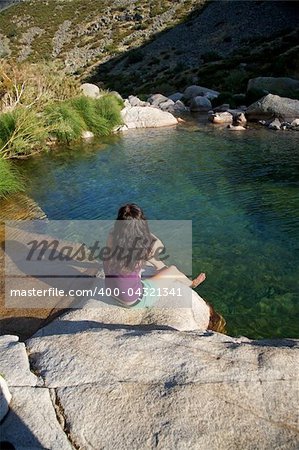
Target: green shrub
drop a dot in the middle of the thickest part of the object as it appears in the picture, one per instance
(21, 132)
(109, 107)
(67, 120)
(10, 180)
(93, 120)
(34, 84)
(64, 121)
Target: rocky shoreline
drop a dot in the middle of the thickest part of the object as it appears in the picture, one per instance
(271, 109)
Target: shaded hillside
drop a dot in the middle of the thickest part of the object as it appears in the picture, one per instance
(81, 33)
(142, 46)
(220, 46)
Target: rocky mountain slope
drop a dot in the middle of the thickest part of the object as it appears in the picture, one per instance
(220, 46)
(81, 33)
(141, 47)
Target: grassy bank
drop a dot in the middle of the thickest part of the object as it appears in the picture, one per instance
(41, 105)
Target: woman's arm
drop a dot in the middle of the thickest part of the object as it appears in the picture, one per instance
(158, 247)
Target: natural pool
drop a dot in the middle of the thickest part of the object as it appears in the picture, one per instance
(239, 189)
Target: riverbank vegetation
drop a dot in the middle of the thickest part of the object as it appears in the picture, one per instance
(10, 180)
(40, 105)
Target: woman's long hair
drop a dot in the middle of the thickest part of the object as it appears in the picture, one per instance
(132, 241)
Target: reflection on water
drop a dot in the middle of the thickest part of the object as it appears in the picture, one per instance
(238, 188)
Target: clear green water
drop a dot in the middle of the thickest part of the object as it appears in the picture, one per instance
(239, 189)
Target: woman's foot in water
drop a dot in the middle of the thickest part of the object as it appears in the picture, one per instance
(198, 280)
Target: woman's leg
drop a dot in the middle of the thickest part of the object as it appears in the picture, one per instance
(173, 273)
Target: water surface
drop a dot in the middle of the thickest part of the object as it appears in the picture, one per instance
(239, 189)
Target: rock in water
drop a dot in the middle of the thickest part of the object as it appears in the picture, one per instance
(156, 99)
(87, 135)
(90, 90)
(286, 87)
(200, 103)
(194, 91)
(135, 101)
(176, 96)
(167, 106)
(236, 127)
(221, 118)
(179, 107)
(272, 106)
(240, 119)
(275, 125)
(146, 117)
(295, 124)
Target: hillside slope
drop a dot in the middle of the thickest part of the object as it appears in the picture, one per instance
(141, 47)
(220, 46)
(84, 32)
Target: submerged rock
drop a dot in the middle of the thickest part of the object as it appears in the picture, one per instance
(146, 117)
(272, 106)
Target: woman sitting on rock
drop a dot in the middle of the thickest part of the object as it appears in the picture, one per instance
(123, 272)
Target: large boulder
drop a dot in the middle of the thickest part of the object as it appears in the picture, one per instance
(156, 99)
(272, 106)
(120, 387)
(187, 312)
(295, 124)
(283, 86)
(167, 106)
(146, 117)
(90, 90)
(176, 96)
(195, 90)
(179, 107)
(200, 103)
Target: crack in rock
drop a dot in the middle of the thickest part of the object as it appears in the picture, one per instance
(61, 418)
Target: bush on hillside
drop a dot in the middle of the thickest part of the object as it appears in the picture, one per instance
(34, 85)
